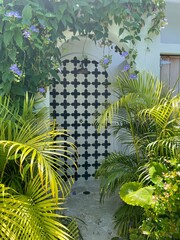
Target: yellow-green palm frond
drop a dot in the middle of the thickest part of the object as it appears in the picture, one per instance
(32, 216)
(146, 86)
(6, 108)
(113, 108)
(7, 215)
(127, 217)
(34, 143)
(74, 231)
(166, 117)
(115, 170)
(30, 111)
(133, 95)
(43, 154)
(164, 113)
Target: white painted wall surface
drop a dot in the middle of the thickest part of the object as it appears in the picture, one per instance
(167, 43)
(171, 33)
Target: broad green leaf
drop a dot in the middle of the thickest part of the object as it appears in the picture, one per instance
(7, 37)
(12, 54)
(134, 194)
(63, 8)
(1, 26)
(156, 171)
(50, 15)
(6, 87)
(18, 38)
(18, 90)
(127, 23)
(121, 30)
(27, 15)
(107, 2)
(54, 74)
(138, 38)
(127, 38)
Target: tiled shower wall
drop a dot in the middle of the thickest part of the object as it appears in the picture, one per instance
(76, 103)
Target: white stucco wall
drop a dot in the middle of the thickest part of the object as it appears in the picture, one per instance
(148, 57)
(167, 43)
(170, 36)
(171, 33)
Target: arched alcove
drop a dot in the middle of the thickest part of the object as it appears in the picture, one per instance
(81, 95)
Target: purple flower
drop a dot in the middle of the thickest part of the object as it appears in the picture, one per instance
(133, 76)
(13, 14)
(14, 68)
(42, 90)
(105, 60)
(34, 29)
(26, 34)
(124, 54)
(126, 67)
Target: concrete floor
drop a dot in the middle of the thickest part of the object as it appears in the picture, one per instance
(84, 203)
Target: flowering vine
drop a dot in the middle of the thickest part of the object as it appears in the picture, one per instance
(106, 61)
(30, 31)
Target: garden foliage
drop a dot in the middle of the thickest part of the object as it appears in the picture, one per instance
(145, 121)
(161, 201)
(33, 174)
(30, 31)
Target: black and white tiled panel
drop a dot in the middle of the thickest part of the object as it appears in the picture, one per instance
(75, 103)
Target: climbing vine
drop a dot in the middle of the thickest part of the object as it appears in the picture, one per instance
(31, 29)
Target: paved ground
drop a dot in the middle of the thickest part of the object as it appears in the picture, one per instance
(97, 217)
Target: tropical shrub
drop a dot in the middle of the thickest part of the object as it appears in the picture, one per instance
(33, 173)
(133, 133)
(161, 202)
(145, 121)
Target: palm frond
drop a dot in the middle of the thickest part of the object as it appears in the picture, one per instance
(43, 153)
(115, 170)
(166, 117)
(122, 131)
(30, 110)
(37, 143)
(73, 228)
(169, 147)
(108, 114)
(35, 154)
(147, 87)
(134, 94)
(32, 215)
(127, 217)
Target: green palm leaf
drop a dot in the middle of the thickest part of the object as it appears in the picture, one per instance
(41, 153)
(132, 94)
(127, 217)
(32, 215)
(115, 170)
(34, 164)
(166, 117)
(35, 144)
